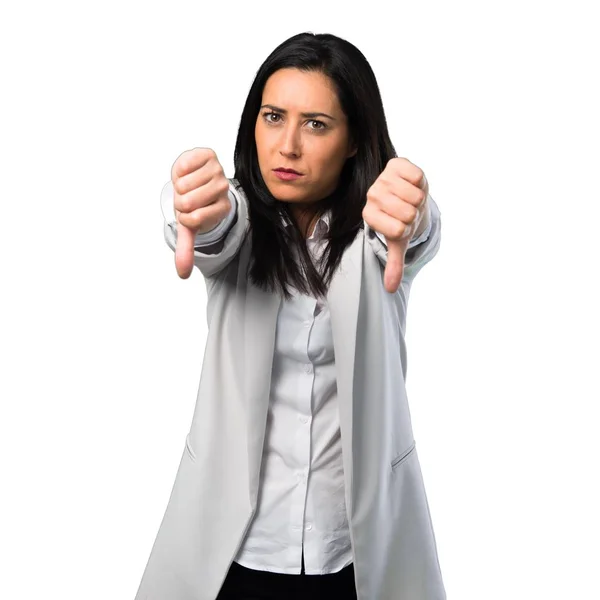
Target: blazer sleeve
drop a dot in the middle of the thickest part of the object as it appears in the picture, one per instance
(214, 249)
(420, 250)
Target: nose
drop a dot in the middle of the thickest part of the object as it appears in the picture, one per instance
(290, 142)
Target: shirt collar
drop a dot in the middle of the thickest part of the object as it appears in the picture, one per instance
(321, 227)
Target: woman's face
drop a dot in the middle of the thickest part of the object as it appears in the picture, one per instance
(301, 126)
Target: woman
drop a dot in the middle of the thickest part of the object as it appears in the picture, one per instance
(299, 476)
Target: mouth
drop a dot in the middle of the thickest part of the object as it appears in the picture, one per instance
(286, 174)
(284, 170)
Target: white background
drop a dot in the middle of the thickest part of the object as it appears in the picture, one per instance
(102, 343)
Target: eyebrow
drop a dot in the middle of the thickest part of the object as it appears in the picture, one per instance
(309, 115)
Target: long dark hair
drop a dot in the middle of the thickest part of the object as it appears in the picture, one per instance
(273, 266)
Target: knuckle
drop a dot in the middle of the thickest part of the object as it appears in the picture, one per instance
(208, 155)
(175, 170)
(185, 220)
(211, 198)
(194, 220)
(373, 194)
(394, 164)
(413, 213)
(223, 187)
(178, 186)
(185, 204)
(398, 230)
(183, 164)
(225, 208)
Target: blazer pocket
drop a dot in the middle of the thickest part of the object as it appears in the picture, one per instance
(403, 456)
(188, 447)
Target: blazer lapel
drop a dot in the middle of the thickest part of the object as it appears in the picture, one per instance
(260, 325)
(344, 302)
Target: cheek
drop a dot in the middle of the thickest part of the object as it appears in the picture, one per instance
(263, 142)
(328, 158)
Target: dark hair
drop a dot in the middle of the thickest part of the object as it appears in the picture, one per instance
(273, 266)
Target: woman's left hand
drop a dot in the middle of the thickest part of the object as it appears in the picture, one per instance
(395, 207)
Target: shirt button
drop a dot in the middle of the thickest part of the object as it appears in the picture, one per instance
(308, 526)
(308, 368)
(306, 323)
(303, 419)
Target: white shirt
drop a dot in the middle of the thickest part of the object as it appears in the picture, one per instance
(301, 501)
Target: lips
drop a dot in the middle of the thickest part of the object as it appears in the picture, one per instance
(284, 170)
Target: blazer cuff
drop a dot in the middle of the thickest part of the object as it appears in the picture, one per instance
(208, 238)
(218, 233)
(414, 241)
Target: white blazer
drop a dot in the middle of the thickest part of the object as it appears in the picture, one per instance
(214, 496)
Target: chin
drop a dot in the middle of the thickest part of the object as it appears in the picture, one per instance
(286, 193)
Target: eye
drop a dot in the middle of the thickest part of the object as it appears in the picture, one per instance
(270, 114)
(320, 125)
(273, 118)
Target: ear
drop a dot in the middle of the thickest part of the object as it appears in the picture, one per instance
(353, 151)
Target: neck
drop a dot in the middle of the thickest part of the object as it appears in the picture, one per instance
(306, 218)
(307, 214)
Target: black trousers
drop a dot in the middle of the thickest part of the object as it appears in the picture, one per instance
(242, 583)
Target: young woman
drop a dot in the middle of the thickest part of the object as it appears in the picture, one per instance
(299, 476)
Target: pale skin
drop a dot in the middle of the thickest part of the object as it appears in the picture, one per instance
(301, 126)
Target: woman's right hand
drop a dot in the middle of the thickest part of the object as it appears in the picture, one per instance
(201, 201)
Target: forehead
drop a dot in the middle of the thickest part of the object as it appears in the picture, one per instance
(301, 91)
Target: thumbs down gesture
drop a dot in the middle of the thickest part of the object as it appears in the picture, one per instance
(397, 208)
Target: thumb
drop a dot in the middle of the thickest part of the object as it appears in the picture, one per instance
(394, 268)
(184, 251)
